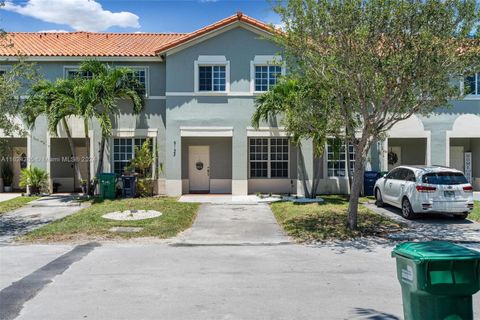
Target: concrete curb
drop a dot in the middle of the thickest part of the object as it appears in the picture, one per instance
(243, 244)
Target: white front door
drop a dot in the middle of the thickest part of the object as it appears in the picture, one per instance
(199, 168)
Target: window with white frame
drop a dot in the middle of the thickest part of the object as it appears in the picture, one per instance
(140, 75)
(72, 73)
(211, 78)
(211, 75)
(472, 84)
(266, 76)
(269, 157)
(124, 152)
(337, 158)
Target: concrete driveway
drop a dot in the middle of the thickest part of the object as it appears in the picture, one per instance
(233, 224)
(9, 196)
(36, 214)
(432, 226)
(347, 280)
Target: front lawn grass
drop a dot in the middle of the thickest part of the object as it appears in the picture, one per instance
(475, 214)
(328, 221)
(15, 203)
(89, 224)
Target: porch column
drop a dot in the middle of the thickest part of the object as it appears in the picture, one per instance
(305, 166)
(239, 163)
(173, 163)
(436, 148)
(384, 157)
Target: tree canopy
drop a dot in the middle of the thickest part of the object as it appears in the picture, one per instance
(373, 63)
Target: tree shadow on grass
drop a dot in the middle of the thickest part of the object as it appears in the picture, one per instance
(372, 314)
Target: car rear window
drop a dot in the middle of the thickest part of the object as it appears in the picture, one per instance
(448, 178)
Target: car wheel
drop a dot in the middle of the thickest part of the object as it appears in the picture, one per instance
(407, 211)
(378, 198)
(462, 216)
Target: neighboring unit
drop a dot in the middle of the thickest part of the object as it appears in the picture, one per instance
(200, 91)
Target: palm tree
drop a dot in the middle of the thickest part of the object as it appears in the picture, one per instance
(98, 97)
(56, 101)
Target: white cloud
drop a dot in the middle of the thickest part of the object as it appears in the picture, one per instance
(85, 15)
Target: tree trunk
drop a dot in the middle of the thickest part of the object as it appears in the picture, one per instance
(72, 149)
(306, 192)
(361, 148)
(87, 144)
(316, 181)
(347, 172)
(100, 156)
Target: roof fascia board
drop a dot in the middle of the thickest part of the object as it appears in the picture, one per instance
(214, 33)
(80, 58)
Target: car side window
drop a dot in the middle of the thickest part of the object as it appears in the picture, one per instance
(402, 174)
(392, 174)
(410, 176)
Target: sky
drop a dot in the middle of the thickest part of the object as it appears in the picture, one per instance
(126, 15)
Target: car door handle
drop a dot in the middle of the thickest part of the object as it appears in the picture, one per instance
(402, 185)
(390, 184)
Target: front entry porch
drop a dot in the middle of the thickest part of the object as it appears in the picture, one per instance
(464, 155)
(14, 155)
(207, 165)
(406, 151)
(62, 170)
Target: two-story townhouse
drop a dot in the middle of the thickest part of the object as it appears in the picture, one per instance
(200, 95)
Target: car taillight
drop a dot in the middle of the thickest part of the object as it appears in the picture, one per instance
(468, 189)
(425, 189)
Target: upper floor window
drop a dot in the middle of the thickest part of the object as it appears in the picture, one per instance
(72, 73)
(140, 75)
(265, 72)
(212, 75)
(266, 77)
(337, 158)
(472, 84)
(212, 78)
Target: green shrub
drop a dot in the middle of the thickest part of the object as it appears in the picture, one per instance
(35, 179)
(144, 188)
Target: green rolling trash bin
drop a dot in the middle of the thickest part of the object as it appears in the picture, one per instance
(438, 280)
(107, 183)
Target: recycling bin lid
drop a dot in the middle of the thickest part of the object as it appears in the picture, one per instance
(434, 251)
(370, 174)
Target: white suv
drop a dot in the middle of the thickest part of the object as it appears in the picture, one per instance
(418, 189)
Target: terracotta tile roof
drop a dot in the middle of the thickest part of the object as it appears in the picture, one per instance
(237, 17)
(90, 44)
(85, 44)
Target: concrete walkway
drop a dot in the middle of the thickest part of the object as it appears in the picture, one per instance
(9, 196)
(476, 195)
(226, 199)
(233, 224)
(431, 227)
(36, 214)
